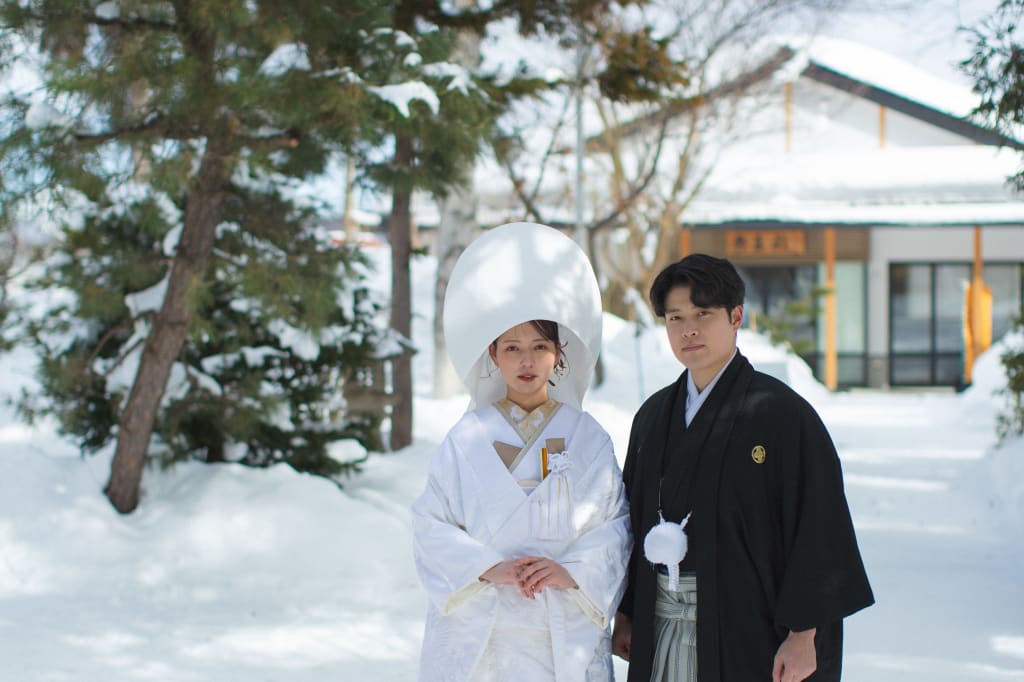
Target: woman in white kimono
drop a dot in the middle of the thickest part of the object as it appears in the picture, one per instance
(521, 535)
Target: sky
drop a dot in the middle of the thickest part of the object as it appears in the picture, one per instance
(232, 574)
(926, 33)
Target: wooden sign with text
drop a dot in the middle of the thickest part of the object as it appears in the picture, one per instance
(765, 243)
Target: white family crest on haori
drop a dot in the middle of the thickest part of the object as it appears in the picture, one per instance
(512, 274)
(666, 544)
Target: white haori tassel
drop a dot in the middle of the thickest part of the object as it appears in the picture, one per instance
(558, 466)
(666, 544)
(554, 515)
(558, 463)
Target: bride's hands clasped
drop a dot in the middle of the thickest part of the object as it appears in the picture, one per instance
(536, 573)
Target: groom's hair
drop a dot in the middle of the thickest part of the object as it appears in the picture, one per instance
(713, 282)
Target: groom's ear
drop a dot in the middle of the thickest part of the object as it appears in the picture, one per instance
(736, 316)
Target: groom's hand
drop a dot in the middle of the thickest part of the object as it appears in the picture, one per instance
(622, 636)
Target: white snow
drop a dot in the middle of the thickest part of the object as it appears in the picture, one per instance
(229, 573)
(346, 451)
(883, 70)
(460, 77)
(108, 10)
(147, 300)
(42, 115)
(300, 342)
(171, 240)
(401, 94)
(400, 38)
(286, 57)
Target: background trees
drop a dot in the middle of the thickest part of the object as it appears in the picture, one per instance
(180, 137)
(198, 301)
(663, 87)
(434, 148)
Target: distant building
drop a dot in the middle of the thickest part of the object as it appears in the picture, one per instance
(860, 165)
(863, 155)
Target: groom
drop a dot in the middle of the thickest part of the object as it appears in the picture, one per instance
(773, 565)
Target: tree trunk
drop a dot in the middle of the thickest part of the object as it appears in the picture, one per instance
(163, 344)
(400, 235)
(457, 229)
(348, 222)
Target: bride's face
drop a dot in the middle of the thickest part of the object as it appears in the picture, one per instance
(526, 360)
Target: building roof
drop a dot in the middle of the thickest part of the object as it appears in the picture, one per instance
(896, 85)
(845, 177)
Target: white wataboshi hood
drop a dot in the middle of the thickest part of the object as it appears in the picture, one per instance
(512, 274)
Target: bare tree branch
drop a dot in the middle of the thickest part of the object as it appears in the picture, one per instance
(134, 23)
(517, 186)
(153, 126)
(681, 106)
(636, 190)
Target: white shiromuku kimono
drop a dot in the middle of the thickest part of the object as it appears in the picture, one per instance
(487, 500)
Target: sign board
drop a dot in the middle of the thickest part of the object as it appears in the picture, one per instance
(765, 243)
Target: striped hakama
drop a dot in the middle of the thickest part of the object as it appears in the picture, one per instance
(675, 631)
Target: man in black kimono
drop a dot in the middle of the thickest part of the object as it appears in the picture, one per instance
(771, 542)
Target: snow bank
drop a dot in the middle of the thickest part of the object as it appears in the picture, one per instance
(983, 400)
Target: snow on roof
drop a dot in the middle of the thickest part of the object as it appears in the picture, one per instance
(954, 172)
(906, 186)
(846, 213)
(885, 71)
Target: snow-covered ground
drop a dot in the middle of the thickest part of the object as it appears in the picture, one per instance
(230, 574)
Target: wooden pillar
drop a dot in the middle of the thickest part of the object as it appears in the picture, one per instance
(977, 312)
(685, 242)
(881, 127)
(831, 353)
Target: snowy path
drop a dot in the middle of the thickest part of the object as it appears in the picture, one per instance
(947, 582)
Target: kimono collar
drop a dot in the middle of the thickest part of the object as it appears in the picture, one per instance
(695, 398)
(526, 423)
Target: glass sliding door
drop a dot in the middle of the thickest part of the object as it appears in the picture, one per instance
(950, 292)
(779, 293)
(926, 309)
(911, 329)
(786, 293)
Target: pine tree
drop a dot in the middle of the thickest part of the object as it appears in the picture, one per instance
(434, 141)
(997, 67)
(431, 136)
(194, 299)
(1011, 422)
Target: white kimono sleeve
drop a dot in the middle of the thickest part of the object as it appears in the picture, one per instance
(449, 561)
(598, 557)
